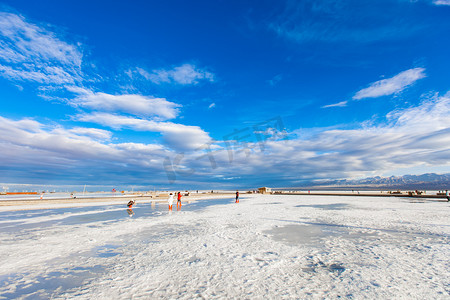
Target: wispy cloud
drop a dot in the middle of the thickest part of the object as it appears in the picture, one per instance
(391, 85)
(340, 21)
(441, 2)
(185, 74)
(275, 79)
(386, 87)
(139, 105)
(32, 53)
(212, 105)
(339, 104)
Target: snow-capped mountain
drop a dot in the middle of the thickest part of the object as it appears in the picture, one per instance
(424, 181)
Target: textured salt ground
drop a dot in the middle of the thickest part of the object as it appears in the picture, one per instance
(264, 247)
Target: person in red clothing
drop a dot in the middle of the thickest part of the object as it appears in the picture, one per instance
(237, 196)
(179, 199)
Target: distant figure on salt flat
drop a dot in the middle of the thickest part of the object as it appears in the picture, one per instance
(447, 195)
(179, 199)
(170, 201)
(237, 196)
(130, 206)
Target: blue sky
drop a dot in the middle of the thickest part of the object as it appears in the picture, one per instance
(222, 94)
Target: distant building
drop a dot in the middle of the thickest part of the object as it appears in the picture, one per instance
(265, 190)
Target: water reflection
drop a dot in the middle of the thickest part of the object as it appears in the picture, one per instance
(130, 212)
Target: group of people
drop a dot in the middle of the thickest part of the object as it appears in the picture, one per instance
(170, 200)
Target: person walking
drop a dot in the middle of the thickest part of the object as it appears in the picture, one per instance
(237, 196)
(170, 201)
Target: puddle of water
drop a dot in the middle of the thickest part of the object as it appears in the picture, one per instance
(107, 250)
(46, 286)
(318, 266)
(296, 234)
(17, 221)
(414, 201)
(335, 206)
(193, 260)
(314, 233)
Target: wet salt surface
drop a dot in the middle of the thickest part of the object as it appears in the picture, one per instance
(306, 234)
(59, 195)
(334, 206)
(316, 232)
(264, 247)
(315, 267)
(21, 224)
(48, 285)
(34, 219)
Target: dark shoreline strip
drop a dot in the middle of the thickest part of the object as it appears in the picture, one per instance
(443, 197)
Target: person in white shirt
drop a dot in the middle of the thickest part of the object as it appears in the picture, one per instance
(170, 201)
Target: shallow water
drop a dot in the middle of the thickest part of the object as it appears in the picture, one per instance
(68, 273)
(46, 286)
(313, 233)
(334, 206)
(47, 196)
(16, 221)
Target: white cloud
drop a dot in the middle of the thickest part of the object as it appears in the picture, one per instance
(29, 147)
(391, 85)
(185, 74)
(411, 137)
(212, 105)
(177, 136)
(46, 75)
(417, 136)
(32, 53)
(138, 105)
(441, 2)
(32, 134)
(339, 104)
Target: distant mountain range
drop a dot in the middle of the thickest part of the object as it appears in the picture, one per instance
(429, 181)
